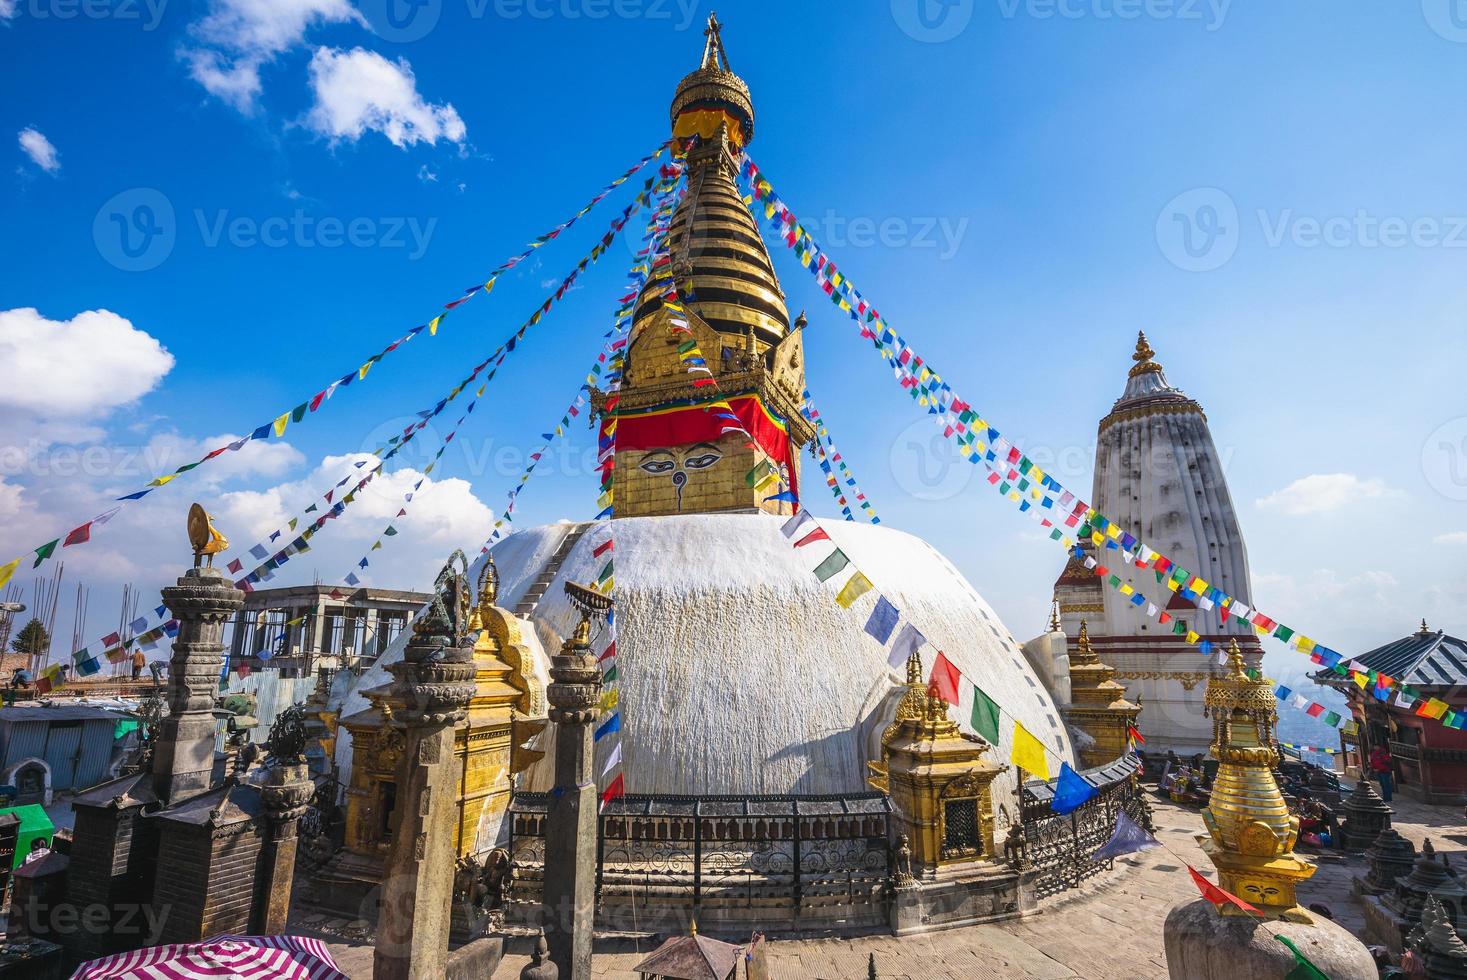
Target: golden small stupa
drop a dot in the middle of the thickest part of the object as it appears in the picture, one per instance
(1251, 832)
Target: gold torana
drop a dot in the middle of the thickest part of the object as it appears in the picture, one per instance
(1251, 832)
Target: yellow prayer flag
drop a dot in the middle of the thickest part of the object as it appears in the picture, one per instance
(1361, 680)
(280, 424)
(6, 571)
(609, 699)
(608, 585)
(1126, 589)
(1028, 753)
(433, 325)
(1305, 644)
(1192, 636)
(857, 586)
(489, 285)
(1435, 708)
(162, 480)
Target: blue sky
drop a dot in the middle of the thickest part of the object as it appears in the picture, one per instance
(1272, 191)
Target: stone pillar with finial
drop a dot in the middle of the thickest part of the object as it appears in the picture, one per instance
(570, 825)
(286, 794)
(434, 682)
(1250, 841)
(202, 601)
(541, 966)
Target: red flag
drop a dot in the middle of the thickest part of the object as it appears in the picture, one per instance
(1135, 736)
(243, 669)
(1216, 895)
(78, 535)
(816, 535)
(615, 790)
(603, 548)
(1314, 710)
(608, 653)
(945, 678)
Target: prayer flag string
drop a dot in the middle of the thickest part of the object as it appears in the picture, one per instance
(828, 454)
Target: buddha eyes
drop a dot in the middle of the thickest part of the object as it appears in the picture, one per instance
(657, 465)
(702, 461)
(666, 464)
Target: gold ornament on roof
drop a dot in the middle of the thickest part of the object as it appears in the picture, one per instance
(1143, 357)
(204, 537)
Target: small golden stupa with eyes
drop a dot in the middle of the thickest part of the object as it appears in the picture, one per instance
(1251, 832)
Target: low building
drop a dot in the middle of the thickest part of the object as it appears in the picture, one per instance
(299, 629)
(51, 747)
(1428, 758)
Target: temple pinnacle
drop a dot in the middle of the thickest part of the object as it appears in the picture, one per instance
(1143, 356)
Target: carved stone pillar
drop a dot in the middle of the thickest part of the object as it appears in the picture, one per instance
(434, 682)
(286, 793)
(570, 826)
(183, 761)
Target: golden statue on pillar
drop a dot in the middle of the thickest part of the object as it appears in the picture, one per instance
(204, 537)
(1251, 832)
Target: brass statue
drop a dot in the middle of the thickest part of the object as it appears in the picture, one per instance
(204, 536)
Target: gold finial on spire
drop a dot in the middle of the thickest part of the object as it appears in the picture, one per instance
(1143, 357)
(914, 668)
(1424, 628)
(713, 54)
(1237, 666)
(1054, 616)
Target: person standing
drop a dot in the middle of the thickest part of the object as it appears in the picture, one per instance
(1380, 768)
(138, 663)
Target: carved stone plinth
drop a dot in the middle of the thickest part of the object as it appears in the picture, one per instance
(1391, 858)
(1366, 815)
(570, 826)
(286, 794)
(434, 682)
(183, 761)
(1203, 945)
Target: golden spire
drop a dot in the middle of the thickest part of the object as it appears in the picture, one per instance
(713, 54)
(1143, 357)
(1083, 654)
(1251, 833)
(1054, 616)
(1424, 628)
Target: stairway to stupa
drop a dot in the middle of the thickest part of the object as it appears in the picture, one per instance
(543, 581)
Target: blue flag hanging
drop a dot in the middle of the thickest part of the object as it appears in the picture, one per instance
(1128, 838)
(883, 620)
(1071, 791)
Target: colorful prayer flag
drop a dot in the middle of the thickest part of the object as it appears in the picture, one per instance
(984, 718)
(856, 586)
(1071, 791)
(1028, 752)
(833, 563)
(882, 621)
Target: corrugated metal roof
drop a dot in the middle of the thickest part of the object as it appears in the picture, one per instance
(60, 712)
(1423, 659)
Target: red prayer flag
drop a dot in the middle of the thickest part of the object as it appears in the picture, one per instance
(615, 790)
(1216, 895)
(816, 535)
(608, 653)
(1314, 710)
(603, 548)
(1135, 736)
(78, 535)
(945, 678)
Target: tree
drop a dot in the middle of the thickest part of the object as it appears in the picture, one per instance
(32, 639)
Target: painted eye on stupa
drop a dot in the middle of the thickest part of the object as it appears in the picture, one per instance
(702, 461)
(657, 463)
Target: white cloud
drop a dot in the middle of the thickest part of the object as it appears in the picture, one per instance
(9, 8)
(35, 144)
(166, 452)
(1321, 493)
(427, 176)
(85, 366)
(1451, 537)
(236, 38)
(358, 91)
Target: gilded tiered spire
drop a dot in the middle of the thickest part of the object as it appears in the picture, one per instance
(1098, 705)
(1143, 357)
(1250, 828)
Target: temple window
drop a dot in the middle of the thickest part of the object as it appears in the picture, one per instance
(960, 828)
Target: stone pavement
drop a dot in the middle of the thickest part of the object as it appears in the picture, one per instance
(1110, 927)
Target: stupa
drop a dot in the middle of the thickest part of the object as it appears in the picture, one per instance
(739, 677)
(1159, 477)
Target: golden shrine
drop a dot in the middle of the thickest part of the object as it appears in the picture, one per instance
(672, 455)
(1251, 831)
(506, 699)
(1098, 705)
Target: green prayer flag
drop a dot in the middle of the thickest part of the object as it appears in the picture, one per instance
(390, 531)
(610, 676)
(1283, 633)
(1332, 719)
(985, 716)
(44, 552)
(831, 565)
(1303, 969)
(605, 572)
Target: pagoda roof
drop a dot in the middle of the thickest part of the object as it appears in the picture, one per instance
(692, 958)
(1425, 659)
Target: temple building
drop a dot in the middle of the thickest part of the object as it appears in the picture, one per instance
(506, 687)
(300, 629)
(1428, 758)
(1098, 705)
(1159, 477)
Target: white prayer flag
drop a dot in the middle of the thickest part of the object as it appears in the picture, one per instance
(613, 761)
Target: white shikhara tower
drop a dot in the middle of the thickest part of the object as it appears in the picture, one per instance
(1158, 476)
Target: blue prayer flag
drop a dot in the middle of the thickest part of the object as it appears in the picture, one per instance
(259, 551)
(1071, 791)
(1128, 838)
(612, 724)
(882, 621)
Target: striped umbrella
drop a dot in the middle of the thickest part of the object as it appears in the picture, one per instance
(231, 957)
